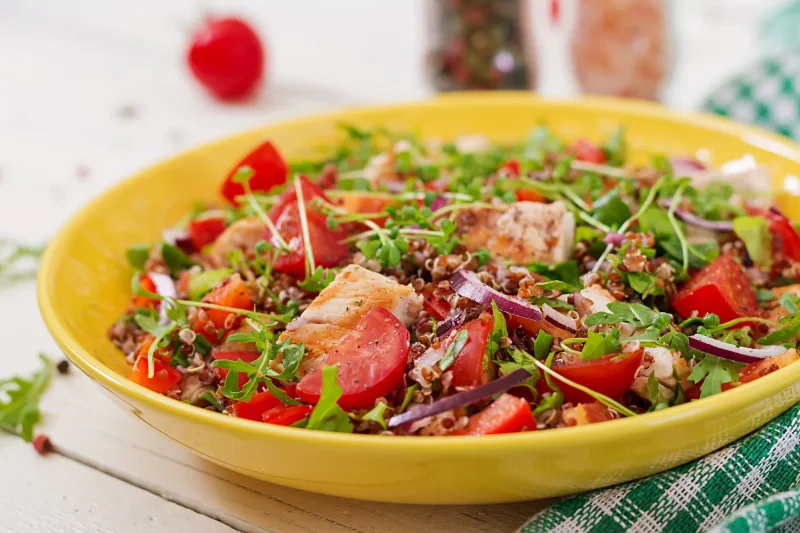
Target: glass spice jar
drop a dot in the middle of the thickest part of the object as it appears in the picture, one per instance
(478, 45)
(621, 47)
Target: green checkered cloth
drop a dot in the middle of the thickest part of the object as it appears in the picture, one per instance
(715, 493)
(767, 95)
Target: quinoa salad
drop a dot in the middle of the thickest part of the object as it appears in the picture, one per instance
(406, 286)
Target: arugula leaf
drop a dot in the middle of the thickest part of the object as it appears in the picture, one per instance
(377, 414)
(555, 285)
(255, 372)
(645, 284)
(19, 400)
(676, 341)
(202, 283)
(611, 210)
(137, 255)
(327, 415)
(567, 272)
(754, 233)
(786, 334)
(279, 394)
(520, 359)
(454, 350)
(542, 139)
(654, 330)
(637, 314)
(554, 401)
(713, 372)
(599, 344)
(542, 345)
(175, 259)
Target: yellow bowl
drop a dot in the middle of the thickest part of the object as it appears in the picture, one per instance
(83, 286)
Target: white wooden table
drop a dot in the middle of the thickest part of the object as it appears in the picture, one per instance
(92, 90)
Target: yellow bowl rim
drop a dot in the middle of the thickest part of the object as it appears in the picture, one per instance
(588, 435)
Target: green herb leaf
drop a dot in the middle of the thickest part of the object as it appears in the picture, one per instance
(764, 296)
(377, 414)
(202, 283)
(137, 255)
(454, 349)
(616, 148)
(645, 284)
(327, 415)
(789, 302)
(483, 256)
(637, 314)
(754, 233)
(600, 344)
(318, 280)
(542, 345)
(212, 399)
(788, 333)
(713, 372)
(652, 389)
(279, 394)
(175, 259)
(499, 330)
(567, 272)
(408, 397)
(611, 210)
(19, 400)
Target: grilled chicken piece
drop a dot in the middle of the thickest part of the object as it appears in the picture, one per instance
(241, 235)
(525, 232)
(339, 307)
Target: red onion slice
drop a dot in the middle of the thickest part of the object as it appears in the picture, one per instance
(164, 287)
(178, 238)
(734, 353)
(694, 220)
(438, 203)
(461, 399)
(614, 238)
(467, 284)
(559, 319)
(686, 166)
(450, 323)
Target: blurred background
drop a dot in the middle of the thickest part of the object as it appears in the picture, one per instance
(93, 90)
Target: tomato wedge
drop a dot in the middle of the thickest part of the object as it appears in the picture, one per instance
(528, 195)
(507, 414)
(606, 375)
(720, 288)
(436, 307)
(372, 360)
(164, 379)
(786, 240)
(327, 245)
(286, 415)
(310, 191)
(257, 406)
(247, 357)
(268, 167)
(511, 167)
(469, 369)
(587, 151)
(233, 293)
(205, 230)
(586, 413)
(143, 302)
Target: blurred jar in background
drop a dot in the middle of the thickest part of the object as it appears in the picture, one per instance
(621, 47)
(478, 45)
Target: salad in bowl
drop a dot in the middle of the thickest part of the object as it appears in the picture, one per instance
(406, 286)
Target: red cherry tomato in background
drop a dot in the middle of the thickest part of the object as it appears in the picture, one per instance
(722, 288)
(604, 375)
(269, 170)
(586, 151)
(371, 358)
(227, 57)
